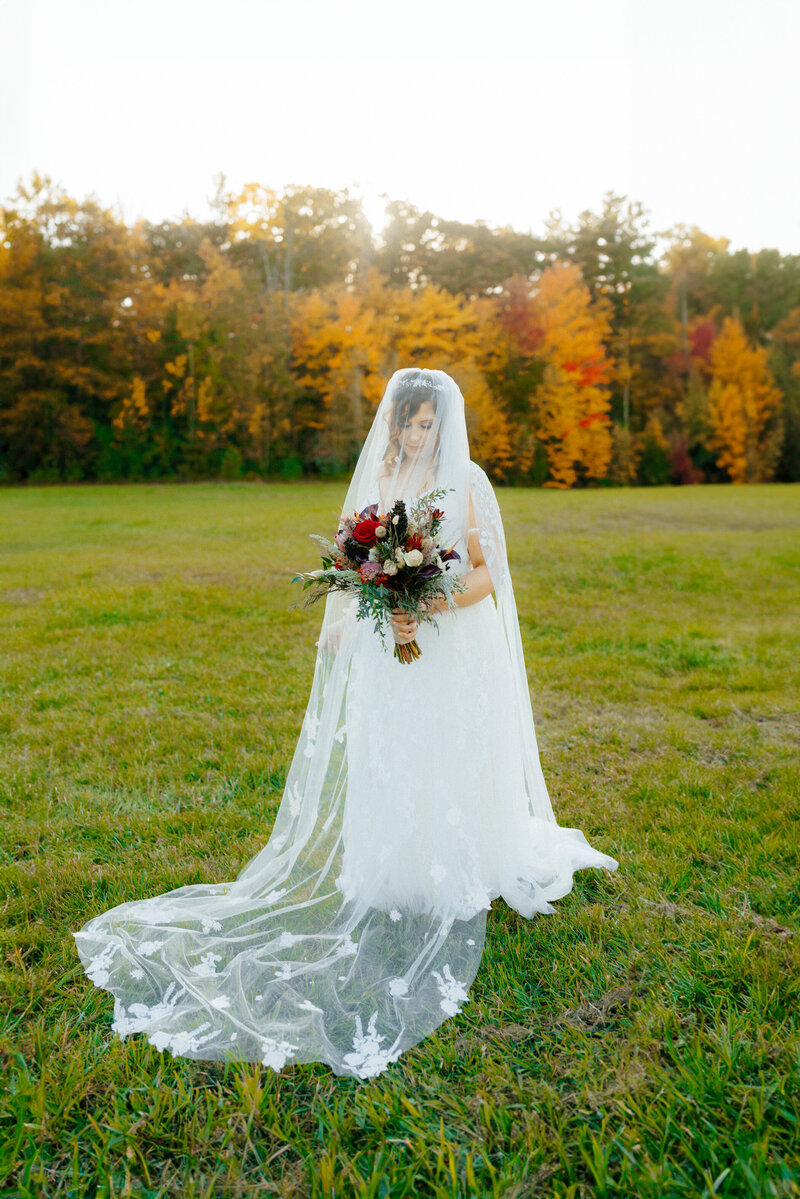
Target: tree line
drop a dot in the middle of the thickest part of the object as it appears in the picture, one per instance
(258, 343)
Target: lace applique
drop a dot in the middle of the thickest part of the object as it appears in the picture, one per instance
(454, 992)
(275, 1053)
(139, 1017)
(368, 1059)
(207, 965)
(311, 727)
(148, 948)
(180, 1043)
(295, 800)
(98, 969)
(476, 899)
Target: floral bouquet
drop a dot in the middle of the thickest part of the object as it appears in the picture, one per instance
(388, 560)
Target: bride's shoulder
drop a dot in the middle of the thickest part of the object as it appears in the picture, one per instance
(478, 477)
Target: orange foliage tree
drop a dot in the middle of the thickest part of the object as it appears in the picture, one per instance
(346, 344)
(571, 405)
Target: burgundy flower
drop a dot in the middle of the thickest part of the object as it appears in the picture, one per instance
(364, 532)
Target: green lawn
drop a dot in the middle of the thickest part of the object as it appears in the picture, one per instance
(642, 1042)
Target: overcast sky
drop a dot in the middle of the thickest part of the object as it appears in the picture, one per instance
(500, 111)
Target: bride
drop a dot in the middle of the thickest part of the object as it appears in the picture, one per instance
(415, 797)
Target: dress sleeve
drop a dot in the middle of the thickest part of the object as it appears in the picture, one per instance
(489, 524)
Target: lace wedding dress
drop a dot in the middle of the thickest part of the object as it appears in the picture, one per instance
(414, 798)
(448, 819)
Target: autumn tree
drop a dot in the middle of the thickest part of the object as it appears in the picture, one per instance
(338, 354)
(785, 364)
(261, 339)
(301, 238)
(743, 402)
(471, 260)
(614, 250)
(61, 263)
(346, 344)
(571, 405)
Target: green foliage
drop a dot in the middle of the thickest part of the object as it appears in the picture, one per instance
(653, 468)
(291, 467)
(232, 464)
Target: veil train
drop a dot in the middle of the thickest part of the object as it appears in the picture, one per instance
(414, 797)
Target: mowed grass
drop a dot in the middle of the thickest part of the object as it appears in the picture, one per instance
(643, 1041)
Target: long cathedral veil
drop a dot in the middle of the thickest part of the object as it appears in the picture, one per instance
(290, 962)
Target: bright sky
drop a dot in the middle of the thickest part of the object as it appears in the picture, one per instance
(502, 111)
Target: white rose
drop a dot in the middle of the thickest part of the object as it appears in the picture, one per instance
(373, 555)
(380, 531)
(414, 558)
(389, 567)
(395, 519)
(399, 555)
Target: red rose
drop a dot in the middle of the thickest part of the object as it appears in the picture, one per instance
(364, 532)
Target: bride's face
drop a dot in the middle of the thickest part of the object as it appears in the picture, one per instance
(416, 437)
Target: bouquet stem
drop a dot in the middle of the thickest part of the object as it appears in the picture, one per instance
(408, 652)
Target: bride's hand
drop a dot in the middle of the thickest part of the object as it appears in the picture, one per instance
(431, 604)
(404, 627)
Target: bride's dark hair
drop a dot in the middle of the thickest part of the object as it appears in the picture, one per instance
(414, 391)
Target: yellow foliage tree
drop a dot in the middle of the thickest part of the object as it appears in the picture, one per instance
(337, 352)
(134, 410)
(347, 342)
(743, 400)
(571, 406)
(434, 328)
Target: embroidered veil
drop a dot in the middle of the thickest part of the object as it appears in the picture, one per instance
(359, 926)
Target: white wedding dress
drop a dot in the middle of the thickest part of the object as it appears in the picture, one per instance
(447, 818)
(414, 798)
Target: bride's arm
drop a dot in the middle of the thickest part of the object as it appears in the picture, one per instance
(337, 633)
(477, 582)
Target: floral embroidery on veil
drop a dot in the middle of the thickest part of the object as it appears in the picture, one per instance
(412, 800)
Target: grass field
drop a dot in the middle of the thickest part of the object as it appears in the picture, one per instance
(643, 1041)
